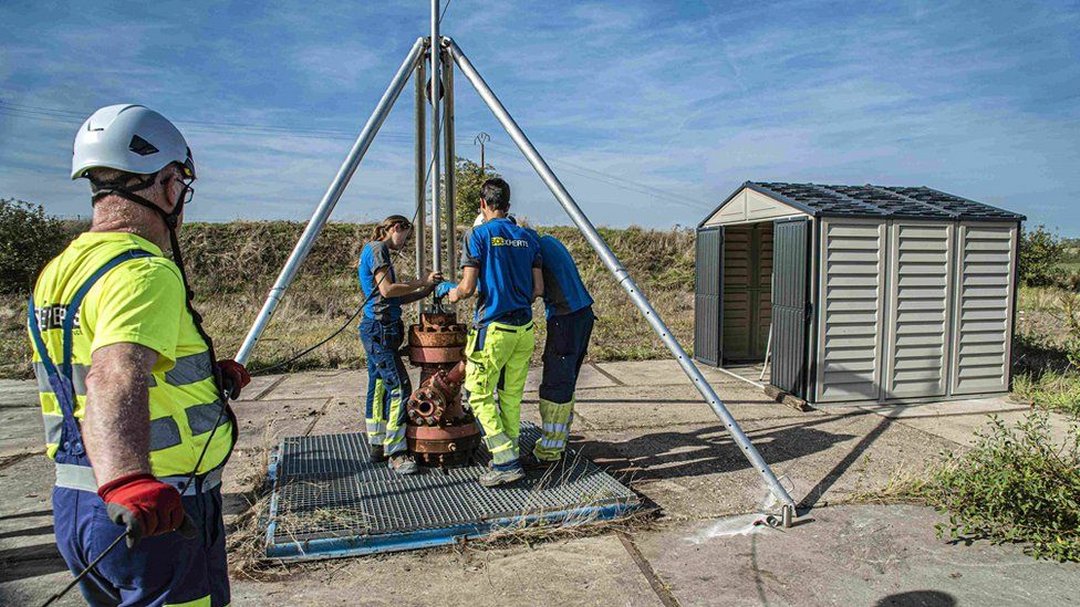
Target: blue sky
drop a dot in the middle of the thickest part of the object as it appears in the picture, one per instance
(651, 112)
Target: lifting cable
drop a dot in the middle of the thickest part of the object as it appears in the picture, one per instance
(374, 289)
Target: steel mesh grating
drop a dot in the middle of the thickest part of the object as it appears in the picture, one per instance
(325, 489)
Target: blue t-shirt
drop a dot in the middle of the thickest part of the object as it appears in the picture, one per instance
(505, 255)
(376, 255)
(564, 292)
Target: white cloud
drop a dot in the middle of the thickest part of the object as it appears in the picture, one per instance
(683, 102)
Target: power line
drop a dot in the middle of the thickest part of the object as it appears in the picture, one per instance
(622, 182)
(59, 116)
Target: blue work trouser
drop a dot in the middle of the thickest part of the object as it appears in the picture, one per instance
(162, 570)
(564, 351)
(389, 387)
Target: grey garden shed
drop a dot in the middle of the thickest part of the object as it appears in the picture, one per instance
(867, 293)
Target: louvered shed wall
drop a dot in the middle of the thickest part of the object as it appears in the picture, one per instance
(985, 277)
(912, 290)
(920, 260)
(849, 345)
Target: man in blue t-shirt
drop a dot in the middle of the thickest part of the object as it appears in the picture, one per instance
(501, 266)
(569, 326)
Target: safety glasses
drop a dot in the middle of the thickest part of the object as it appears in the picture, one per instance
(187, 193)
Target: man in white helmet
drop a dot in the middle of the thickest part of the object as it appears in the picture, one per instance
(133, 401)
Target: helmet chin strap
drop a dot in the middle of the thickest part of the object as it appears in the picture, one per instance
(100, 190)
(171, 221)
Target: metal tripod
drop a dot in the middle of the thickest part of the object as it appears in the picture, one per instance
(440, 56)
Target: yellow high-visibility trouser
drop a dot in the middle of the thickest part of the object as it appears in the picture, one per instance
(493, 351)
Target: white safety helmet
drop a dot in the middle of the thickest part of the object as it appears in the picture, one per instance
(130, 138)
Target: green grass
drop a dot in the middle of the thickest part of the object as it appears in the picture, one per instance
(1050, 390)
(232, 266)
(1042, 371)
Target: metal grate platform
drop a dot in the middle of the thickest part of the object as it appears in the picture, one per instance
(329, 501)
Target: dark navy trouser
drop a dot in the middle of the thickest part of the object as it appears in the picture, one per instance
(166, 569)
(564, 352)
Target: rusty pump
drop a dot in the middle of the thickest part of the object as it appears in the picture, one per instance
(440, 431)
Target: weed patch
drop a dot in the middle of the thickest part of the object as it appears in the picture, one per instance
(1015, 486)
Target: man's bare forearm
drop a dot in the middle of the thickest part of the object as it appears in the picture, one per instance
(116, 427)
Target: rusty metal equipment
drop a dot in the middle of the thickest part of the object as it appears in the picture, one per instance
(440, 430)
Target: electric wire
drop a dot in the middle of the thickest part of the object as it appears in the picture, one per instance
(68, 117)
(364, 301)
(90, 567)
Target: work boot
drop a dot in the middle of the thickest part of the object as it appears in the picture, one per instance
(403, 464)
(494, 478)
(529, 461)
(377, 454)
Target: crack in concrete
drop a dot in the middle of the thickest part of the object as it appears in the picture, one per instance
(658, 586)
(618, 382)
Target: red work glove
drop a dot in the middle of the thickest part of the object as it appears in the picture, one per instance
(145, 506)
(233, 377)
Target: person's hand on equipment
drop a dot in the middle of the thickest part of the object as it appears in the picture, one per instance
(433, 279)
(444, 288)
(233, 377)
(145, 506)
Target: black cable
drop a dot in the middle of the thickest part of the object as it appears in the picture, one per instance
(345, 325)
(374, 289)
(104, 553)
(171, 220)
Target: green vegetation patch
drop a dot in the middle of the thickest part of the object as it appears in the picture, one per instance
(1015, 486)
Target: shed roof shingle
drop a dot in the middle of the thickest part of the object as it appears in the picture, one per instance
(880, 201)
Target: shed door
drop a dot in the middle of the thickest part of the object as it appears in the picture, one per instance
(708, 295)
(850, 316)
(982, 331)
(920, 255)
(790, 304)
(747, 274)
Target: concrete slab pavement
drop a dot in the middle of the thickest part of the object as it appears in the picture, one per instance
(17, 392)
(586, 571)
(645, 422)
(849, 555)
(958, 420)
(21, 431)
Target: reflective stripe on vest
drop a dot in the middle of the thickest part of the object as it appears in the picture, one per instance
(62, 379)
(65, 381)
(190, 369)
(82, 478)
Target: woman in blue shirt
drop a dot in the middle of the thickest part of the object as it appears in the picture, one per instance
(382, 333)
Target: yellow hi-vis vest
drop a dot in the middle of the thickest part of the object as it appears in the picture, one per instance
(140, 301)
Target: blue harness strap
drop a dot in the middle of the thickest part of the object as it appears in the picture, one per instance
(61, 378)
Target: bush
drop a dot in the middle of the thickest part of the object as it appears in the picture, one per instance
(1015, 486)
(28, 240)
(1040, 253)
